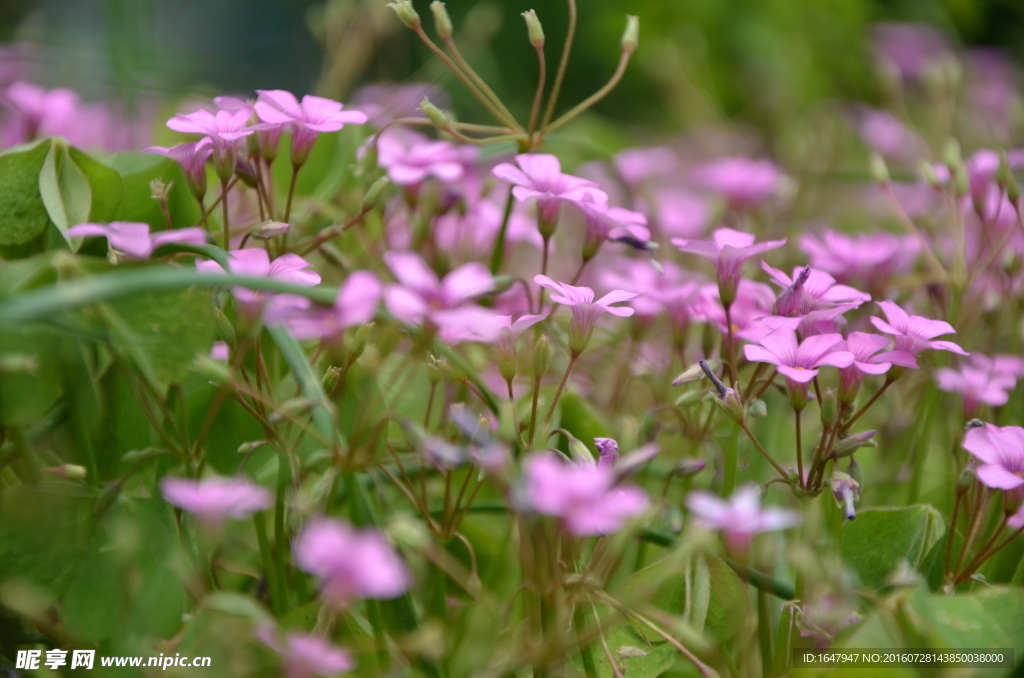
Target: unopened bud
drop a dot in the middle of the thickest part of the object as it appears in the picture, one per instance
(631, 36)
(694, 373)
(927, 171)
(68, 471)
(18, 363)
(961, 180)
(731, 405)
(406, 12)
(159, 191)
(450, 370)
(707, 340)
(442, 22)
(541, 356)
(855, 471)
(251, 446)
(225, 330)
(245, 171)
(829, 407)
(687, 468)
(358, 343)
(266, 230)
(879, 170)
(502, 284)
(329, 382)
(375, 193)
(951, 154)
(690, 398)
(507, 421)
(435, 114)
(579, 451)
(534, 29)
(214, 370)
(757, 408)
(965, 481)
(791, 299)
(851, 444)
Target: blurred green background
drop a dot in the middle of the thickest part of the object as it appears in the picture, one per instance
(756, 61)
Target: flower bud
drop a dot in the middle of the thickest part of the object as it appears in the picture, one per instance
(507, 363)
(266, 230)
(225, 330)
(358, 343)
(731, 405)
(687, 468)
(329, 382)
(927, 171)
(829, 407)
(851, 444)
(502, 284)
(690, 398)
(707, 340)
(608, 450)
(251, 446)
(406, 12)
(791, 299)
(579, 451)
(442, 22)
(879, 170)
(245, 171)
(534, 29)
(951, 154)
(214, 370)
(631, 36)
(579, 336)
(965, 481)
(375, 193)
(507, 429)
(694, 373)
(451, 371)
(846, 490)
(757, 408)
(435, 114)
(541, 356)
(855, 471)
(68, 471)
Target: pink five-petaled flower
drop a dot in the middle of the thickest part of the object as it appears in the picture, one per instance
(192, 157)
(312, 116)
(809, 290)
(214, 499)
(979, 381)
(1001, 452)
(255, 263)
(914, 333)
(134, 240)
(585, 495)
(868, 257)
(743, 181)
(419, 296)
(727, 251)
(585, 311)
(539, 176)
(741, 517)
(411, 158)
(224, 130)
(304, 655)
(798, 362)
(865, 348)
(614, 223)
(356, 304)
(350, 563)
(505, 334)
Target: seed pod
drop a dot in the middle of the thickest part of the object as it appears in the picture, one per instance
(879, 170)
(329, 382)
(435, 114)
(406, 12)
(442, 22)
(534, 29)
(631, 36)
(541, 356)
(829, 407)
(757, 408)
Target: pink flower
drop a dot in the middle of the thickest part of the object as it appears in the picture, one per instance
(215, 499)
(220, 350)
(255, 262)
(419, 296)
(741, 517)
(864, 256)
(306, 655)
(192, 157)
(809, 290)
(539, 176)
(673, 291)
(743, 181)
(585, 496)
(351, 564)
(36, 112)
(753, 303)
(133, 239)
(1001, 452)
(411, 158)
(727, 251)
(679, 212)
(635, 165)
(615, 223)
(585, 311)
(910, 48)
(306, 120)
(981, 381)
(885, 133)
(867, 359)
(471, 235)
(356, 304)
(798, 363)
(914, 333)
(224, 130)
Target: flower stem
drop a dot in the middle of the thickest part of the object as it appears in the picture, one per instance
(595, 97)
(533, 409)
(867, 405)
(498, 253)
(799, 450)
(764, 452)
(561, 385)
(562, 65)
(535, 110)
(980, 506)
(288, 204)
(224, 211)
(269, 570)
(477, 80)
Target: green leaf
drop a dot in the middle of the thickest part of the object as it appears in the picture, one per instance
(27, 396)
(105, 183)
(91, 607)
(237, 606)
(23, 215)
(231, 426)
(309, 382)
(170, 329)
(880, 539)
(990, 618)
(638, 655)
(581, 418)
(64, 189)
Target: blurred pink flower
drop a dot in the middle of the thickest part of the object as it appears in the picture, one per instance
(678, 212)
(539, 176)
(471, 235)
(981, 381)
(419, 296)
(351, 564)
(255, 262)
(740, 518)
(356, 304)
(410, 158)
(585, 311)
(214, 499)
(614, 223)
(134, 240)
(306, 655)
(673, 291)
(865, 348)
(1001, 452)
(909, 48)
(35, 112)
(192, 157)
(885, 133)
(743, 181)
(809, 290)
(861, 256)
(385, 101)
(313, 116)
(220, 350)
(585, 495)
(914, 333)
(635, 165)
(728, 250)
(798, 362)
(753, 303)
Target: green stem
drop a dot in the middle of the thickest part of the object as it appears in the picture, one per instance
(535, 109)
(224, 212)
(269, 569)
(280, 540)
(562, 65)
(561, 385)
(764, 452)
(596, 96)
(498, 253)
(579, 620)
